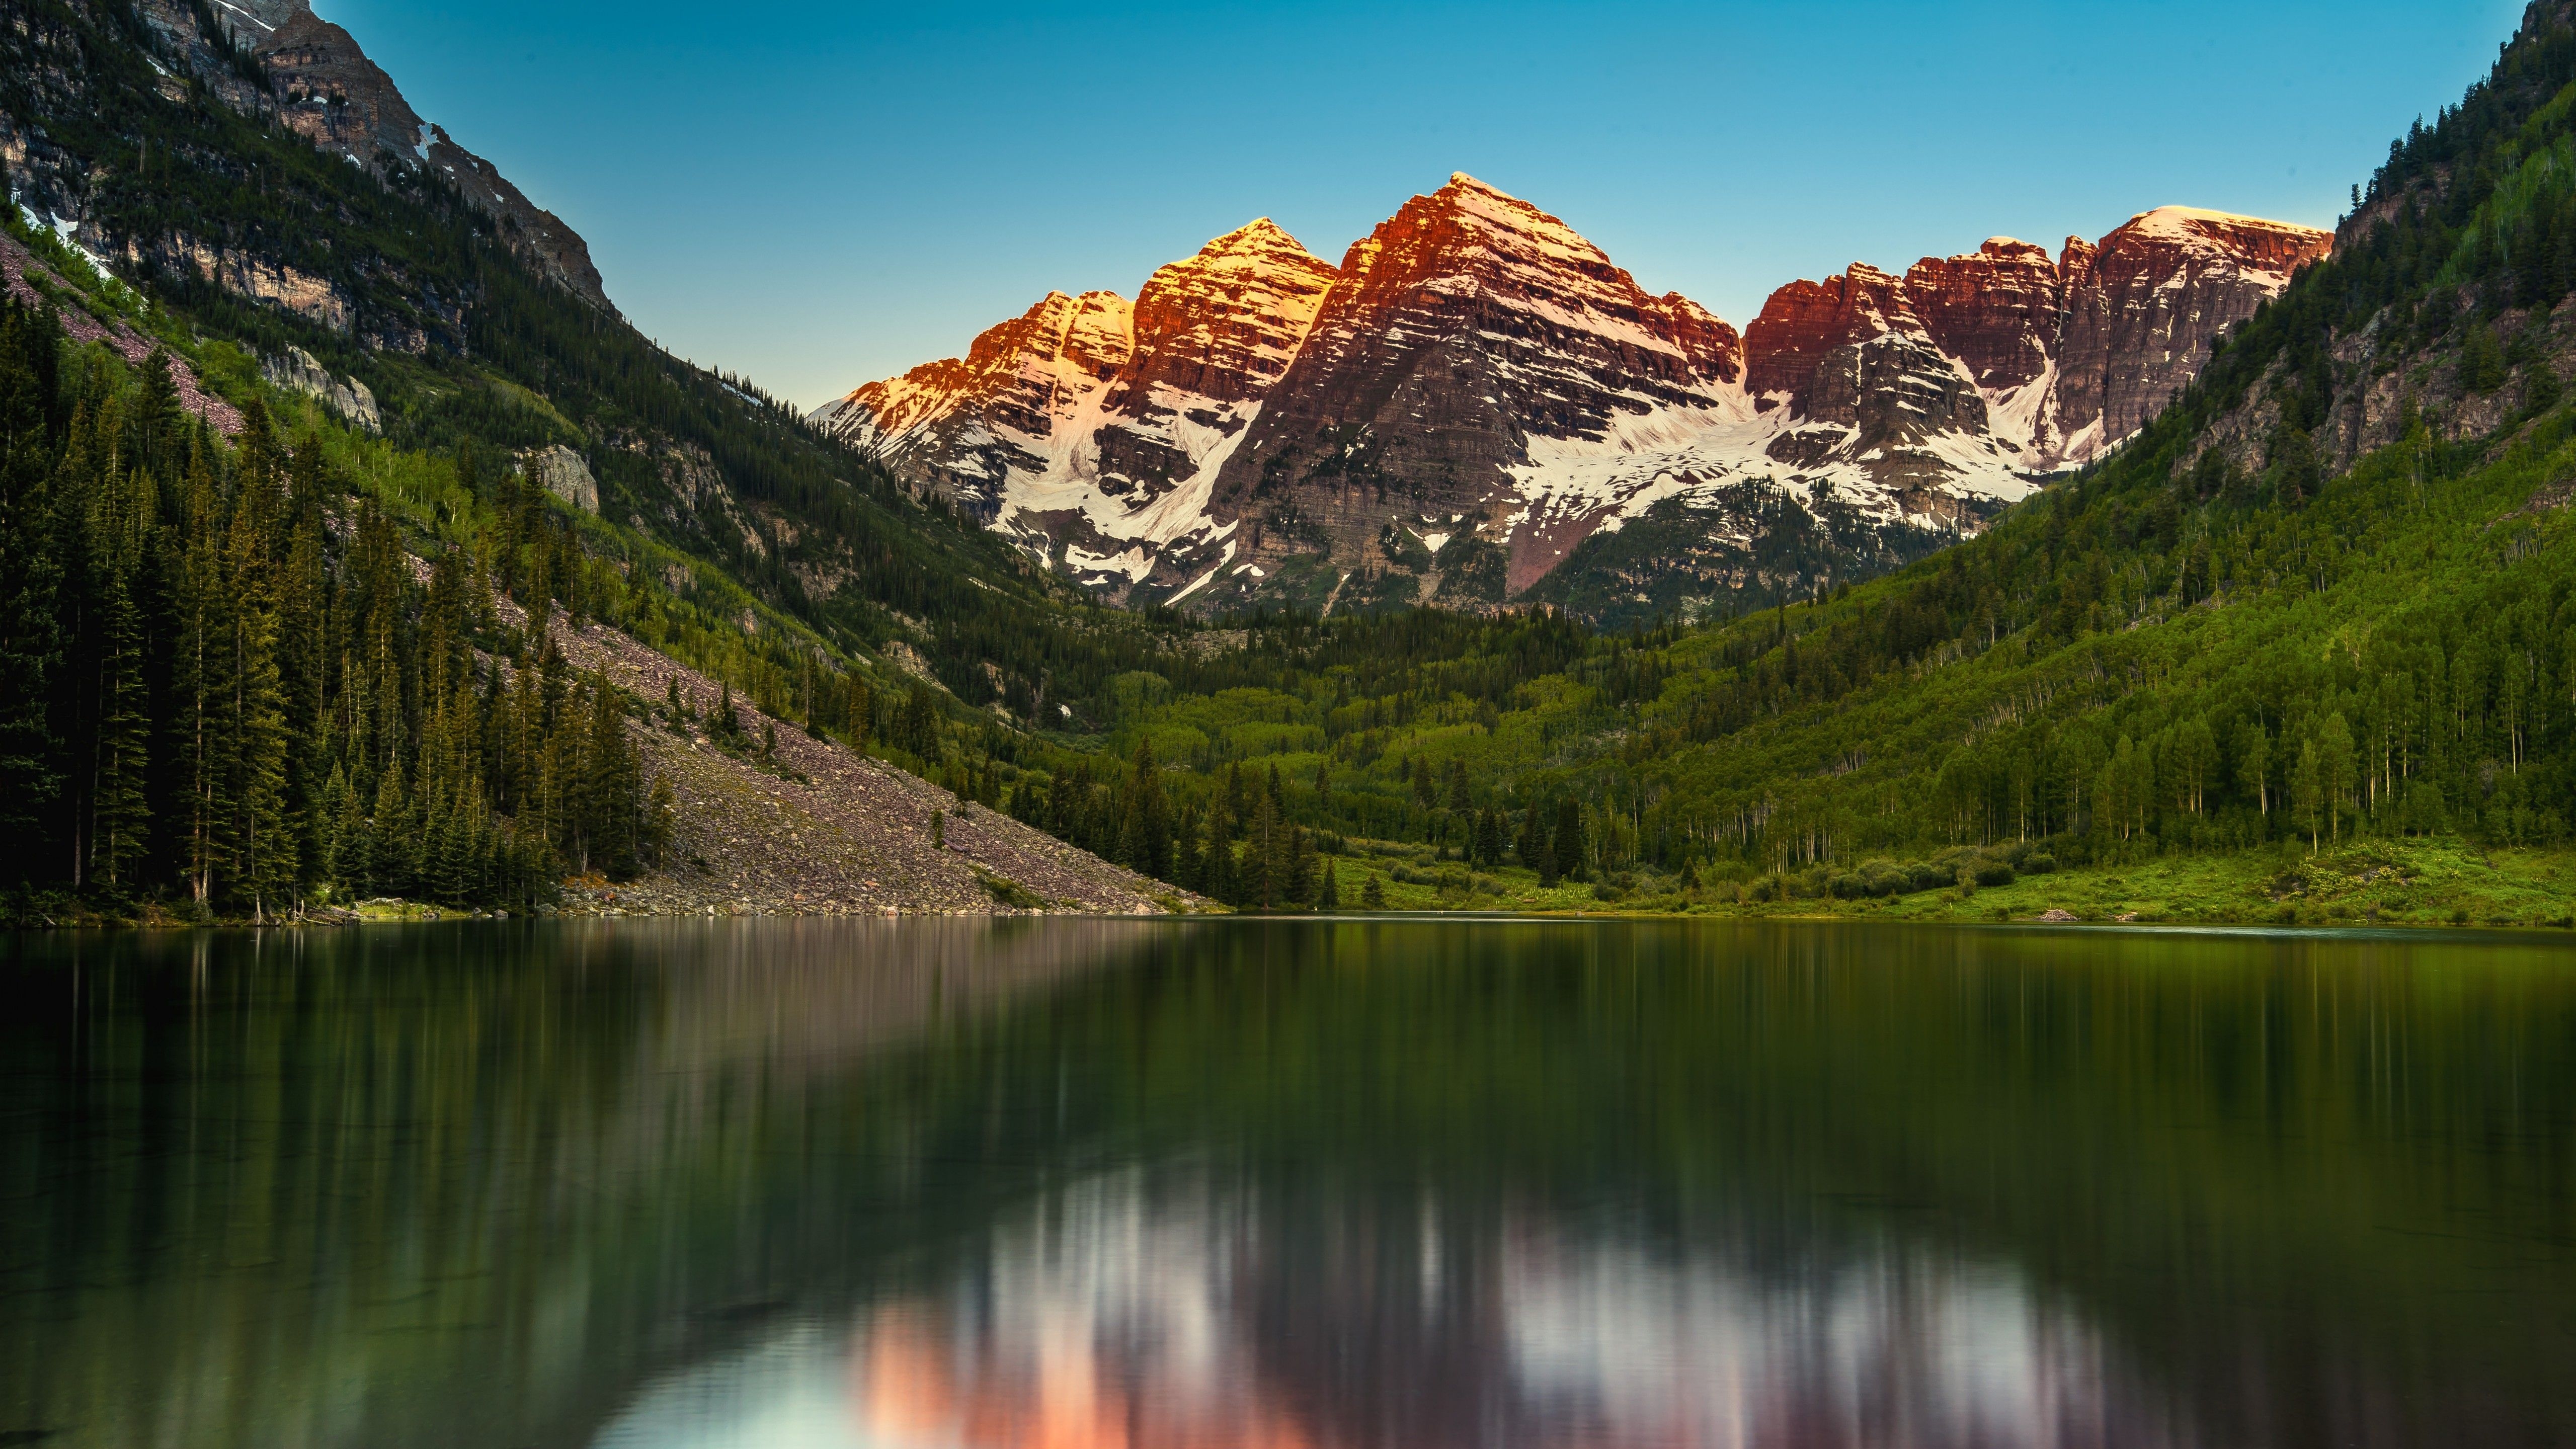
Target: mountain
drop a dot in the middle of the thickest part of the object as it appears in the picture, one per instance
(1478, 406)
(322, 86)
(404, 460)
(2301, 649)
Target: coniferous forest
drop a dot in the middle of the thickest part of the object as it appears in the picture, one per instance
(230, 687)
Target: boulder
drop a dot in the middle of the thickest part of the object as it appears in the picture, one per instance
(565, 474)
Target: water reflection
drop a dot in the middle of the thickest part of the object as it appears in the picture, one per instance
(1162, 1187)
(1122, 1316)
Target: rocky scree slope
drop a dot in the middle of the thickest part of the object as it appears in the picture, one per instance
(814, 828)
(1477, 392)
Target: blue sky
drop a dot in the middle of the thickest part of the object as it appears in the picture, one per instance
(817, 195)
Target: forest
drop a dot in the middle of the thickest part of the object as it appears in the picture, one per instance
(232, 692)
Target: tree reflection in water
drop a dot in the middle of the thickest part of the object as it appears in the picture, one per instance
(1330, 1185)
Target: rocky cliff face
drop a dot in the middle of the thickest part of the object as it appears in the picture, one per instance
(2143, 307)
(325, 88)
(1092, 427)
(1477, 403)
(1468, 333)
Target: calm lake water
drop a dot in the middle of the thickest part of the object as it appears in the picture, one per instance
(1155, 1185)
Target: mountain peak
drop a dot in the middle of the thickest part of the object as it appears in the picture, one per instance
(1259, 239)
(2194, 224)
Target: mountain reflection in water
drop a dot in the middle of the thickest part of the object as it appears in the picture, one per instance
(1119, 1316)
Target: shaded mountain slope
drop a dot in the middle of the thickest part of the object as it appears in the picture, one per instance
(363, 359)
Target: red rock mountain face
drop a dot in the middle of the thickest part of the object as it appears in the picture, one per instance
(1092, 411)
(1463, 328)
(1478, 406)
(2123, 323)
(2142, 309)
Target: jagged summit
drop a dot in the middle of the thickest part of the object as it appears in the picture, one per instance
(1478, 393)
(1258, 235)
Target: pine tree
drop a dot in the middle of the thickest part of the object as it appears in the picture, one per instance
(1298, 888)
(389, 837)
(1570, 852)
(1145, 834)
(661, 816)
(30, 646)
(262, 840)
(202, 679)
(342, 832)
(2482, 367)
(1217, 876)
(120, 807)
(1266, 858)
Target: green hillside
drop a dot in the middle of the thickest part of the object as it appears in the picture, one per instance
(367, 740)
(2221, 643)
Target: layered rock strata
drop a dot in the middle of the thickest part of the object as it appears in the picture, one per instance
(1465, 408)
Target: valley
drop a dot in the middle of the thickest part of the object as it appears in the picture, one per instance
(1289, 585)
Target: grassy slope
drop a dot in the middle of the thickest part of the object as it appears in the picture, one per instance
(2435, 882)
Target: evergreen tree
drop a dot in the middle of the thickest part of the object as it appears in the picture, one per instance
(1266, 862)
(203, 742)
(2482, 366)
(262, 853)
(1299, 887)
(30, 647)
(1145, 827)
(661, 817)
(1571, 854)
(120, 806)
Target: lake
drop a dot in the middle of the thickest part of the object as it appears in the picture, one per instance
(1181, 1185)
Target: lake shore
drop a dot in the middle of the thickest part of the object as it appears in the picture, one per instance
(2437, 882)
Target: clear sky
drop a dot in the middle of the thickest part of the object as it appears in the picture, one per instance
(821, 194)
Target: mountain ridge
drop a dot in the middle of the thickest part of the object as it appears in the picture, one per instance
(1901, 410)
